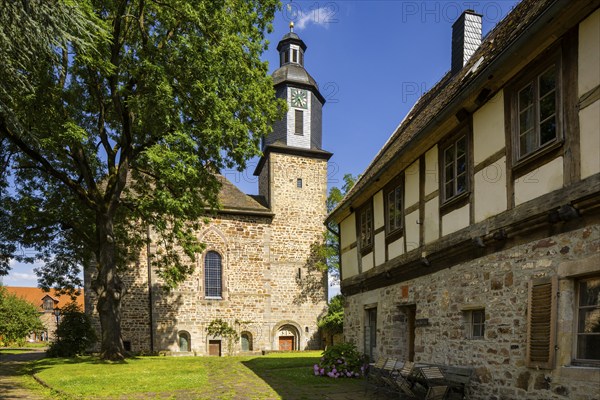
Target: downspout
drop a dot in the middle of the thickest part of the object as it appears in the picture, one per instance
(150, 300)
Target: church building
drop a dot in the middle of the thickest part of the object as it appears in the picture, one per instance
(256, 271)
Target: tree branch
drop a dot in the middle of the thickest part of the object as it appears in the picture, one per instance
(45, 165)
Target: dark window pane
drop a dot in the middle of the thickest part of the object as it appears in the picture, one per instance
(461, 147)
(461, 165)
(547, 131)
(391, 210)
(547, 106)
(526, 120)
(589, 292)
(526, 97)
(461, 184)
(295, 55)
(588, 347)
(299, 122)
(449, 173)
(589, 320)
(527, 143)
(547, 81)
(212, 274)
(449, 155)
(449, 189)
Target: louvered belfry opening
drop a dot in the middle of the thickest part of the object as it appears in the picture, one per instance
(466, 38)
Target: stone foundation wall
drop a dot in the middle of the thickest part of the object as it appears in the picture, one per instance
(499, 284)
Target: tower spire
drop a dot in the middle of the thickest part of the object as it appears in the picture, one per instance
(292, 26)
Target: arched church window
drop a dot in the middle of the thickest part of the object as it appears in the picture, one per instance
(212, 275)
(185, 343)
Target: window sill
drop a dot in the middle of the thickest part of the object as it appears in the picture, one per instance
(394, 235)
(455, 202)
(579, 373)
(537, 158)
(366, 250)
(213, 298)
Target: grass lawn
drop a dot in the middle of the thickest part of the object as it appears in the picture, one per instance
(275, 376)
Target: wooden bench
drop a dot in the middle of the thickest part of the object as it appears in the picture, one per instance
(458, 379)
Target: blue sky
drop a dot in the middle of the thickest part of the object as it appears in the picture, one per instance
(372, 61)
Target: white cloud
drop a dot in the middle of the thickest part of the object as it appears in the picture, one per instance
(21, 274)
(322, 16)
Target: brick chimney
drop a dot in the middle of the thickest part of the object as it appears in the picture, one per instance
(466, 38)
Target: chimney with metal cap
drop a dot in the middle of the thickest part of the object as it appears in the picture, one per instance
(466, 38)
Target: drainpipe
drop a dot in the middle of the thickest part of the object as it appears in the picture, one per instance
(150, 301)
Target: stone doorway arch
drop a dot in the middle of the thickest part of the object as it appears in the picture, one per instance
(287, 336)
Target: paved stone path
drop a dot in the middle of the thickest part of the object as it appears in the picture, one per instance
(10, 365)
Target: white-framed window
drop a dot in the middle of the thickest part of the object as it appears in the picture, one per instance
(474, 323)
(587, 330)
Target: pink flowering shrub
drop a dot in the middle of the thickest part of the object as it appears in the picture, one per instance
(341, 361)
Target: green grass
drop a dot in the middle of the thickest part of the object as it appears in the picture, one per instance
(13, 351)
(275, 376)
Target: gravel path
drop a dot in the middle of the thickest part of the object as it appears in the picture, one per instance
(10, 366)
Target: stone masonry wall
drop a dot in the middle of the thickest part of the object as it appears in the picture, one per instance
(498, 283)
(296, 228)
(267, 279)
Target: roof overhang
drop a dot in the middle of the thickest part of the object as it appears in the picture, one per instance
(296, 151)
(543, 30)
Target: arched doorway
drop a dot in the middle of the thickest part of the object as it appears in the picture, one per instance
(246, 341)
(185, 342)
(287, 338)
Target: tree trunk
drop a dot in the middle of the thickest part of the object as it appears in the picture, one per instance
(109, 288)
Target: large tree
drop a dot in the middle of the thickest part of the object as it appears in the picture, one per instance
(123, 131)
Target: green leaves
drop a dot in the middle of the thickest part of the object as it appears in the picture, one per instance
(18, 317)
(115, 116)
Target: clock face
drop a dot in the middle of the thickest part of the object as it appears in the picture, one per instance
(299, 98)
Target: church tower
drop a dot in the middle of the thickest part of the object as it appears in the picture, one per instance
(293, 180)
(299, 133)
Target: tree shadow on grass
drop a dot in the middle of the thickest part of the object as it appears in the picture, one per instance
(293, 378)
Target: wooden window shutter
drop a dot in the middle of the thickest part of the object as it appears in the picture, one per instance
(541, 323)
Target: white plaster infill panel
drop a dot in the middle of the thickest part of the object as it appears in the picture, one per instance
(545, 179)
(411, 184)
(455, 220)
(589, 56)
(380, 248)
(490, 190)
(589, 125)
(378, 210)
(396, 248)
(349, 263)
(432, 220)
(431, 170)
(488, 128)
(412, 230)
(348, 231)
(367, 262)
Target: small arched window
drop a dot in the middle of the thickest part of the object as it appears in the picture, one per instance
(212, 275)
(184, 341)
(246, 339)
